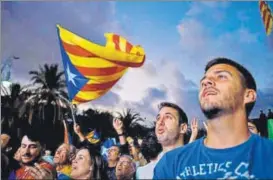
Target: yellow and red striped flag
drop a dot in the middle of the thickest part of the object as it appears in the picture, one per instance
(91, 69)
(267, 16)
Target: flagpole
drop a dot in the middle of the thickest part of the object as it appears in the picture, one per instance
(70, 105)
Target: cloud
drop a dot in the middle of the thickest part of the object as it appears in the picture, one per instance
(29, 29)
(194, 10)
(151, 69)
(32, 27)
(241, 15)
(156, 93)
(201, 8)
(183, 82)
(215, 4)
(246, 36)
(137, 81)
(198, 44)
(110, 98)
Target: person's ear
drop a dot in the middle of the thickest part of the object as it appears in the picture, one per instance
(250, 96)
(183, 128)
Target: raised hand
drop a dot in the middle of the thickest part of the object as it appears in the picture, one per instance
(77, 129)
(194, 130)
(194, 127)
(39, 172)
(118, 126)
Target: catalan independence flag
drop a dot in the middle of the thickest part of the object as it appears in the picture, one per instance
(91, 69)
(267, 16)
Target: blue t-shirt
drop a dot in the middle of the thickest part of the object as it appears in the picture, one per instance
(251, 159)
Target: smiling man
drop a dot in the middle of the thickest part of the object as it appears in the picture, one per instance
(33, 167)
(227, 96)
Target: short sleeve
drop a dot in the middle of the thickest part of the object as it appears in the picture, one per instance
(163, 170)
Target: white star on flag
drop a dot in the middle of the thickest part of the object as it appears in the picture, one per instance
(70, 75)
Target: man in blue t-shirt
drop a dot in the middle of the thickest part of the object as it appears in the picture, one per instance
(227, 96)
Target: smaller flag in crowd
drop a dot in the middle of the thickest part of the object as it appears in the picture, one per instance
(93, 137)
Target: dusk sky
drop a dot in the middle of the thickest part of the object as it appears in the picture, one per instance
(179, 38)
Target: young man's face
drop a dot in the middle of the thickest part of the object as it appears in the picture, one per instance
(29, 150)
(167, 127)
(221, 89)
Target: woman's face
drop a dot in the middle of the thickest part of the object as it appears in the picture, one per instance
(81, 165)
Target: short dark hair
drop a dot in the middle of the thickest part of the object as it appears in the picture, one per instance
(247, 78)
(150, 147)
(34, 135)
(182, 115)
(97, 163)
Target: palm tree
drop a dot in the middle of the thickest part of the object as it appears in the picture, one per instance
(48, 77)
(10, 108)
(49, 83)
(99, 120)
(134, 124)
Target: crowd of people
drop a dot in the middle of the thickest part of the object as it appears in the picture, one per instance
(231, 149)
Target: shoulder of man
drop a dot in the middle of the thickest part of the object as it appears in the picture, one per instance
(166, 166)
(267, 144)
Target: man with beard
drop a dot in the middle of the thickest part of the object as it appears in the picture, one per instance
(63, 159)
(33, 167)
(227, 96)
